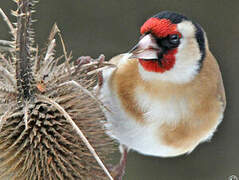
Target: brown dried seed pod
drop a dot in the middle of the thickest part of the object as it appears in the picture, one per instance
(41, 101)
(50, 148)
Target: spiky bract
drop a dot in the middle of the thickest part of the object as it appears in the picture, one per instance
(37, 140)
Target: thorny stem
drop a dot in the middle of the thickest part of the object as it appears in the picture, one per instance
(79, 132)
(23, 54)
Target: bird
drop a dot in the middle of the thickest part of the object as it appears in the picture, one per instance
(166, 95)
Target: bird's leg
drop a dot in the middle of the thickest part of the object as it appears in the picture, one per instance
(119, 170)
(100, 79)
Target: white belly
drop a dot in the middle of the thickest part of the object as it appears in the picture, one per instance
(140, 137)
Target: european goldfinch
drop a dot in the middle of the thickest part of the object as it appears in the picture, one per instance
(166, 95)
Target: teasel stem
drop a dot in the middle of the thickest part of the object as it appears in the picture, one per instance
(23, 54)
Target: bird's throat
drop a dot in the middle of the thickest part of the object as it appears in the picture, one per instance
(165, 64)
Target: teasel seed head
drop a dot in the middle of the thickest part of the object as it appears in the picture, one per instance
(51, 124)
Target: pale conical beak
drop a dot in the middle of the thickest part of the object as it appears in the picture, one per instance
(146, 48)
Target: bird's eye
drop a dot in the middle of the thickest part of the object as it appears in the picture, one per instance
(174, 39)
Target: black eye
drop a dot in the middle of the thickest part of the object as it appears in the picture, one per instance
(174, 39)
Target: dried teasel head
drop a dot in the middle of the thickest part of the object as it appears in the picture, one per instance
(51, 125)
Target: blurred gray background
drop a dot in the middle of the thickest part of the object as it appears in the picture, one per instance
(91, 27)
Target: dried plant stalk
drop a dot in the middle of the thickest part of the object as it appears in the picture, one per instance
(25, 80)
(51, 125)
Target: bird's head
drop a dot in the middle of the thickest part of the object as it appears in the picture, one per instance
(171, 48)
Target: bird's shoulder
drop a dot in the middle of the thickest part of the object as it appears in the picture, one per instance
(116, 59)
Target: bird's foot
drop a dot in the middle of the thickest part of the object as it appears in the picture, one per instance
(90, 62)
(84, 60)
(118, 171)
(92, 66)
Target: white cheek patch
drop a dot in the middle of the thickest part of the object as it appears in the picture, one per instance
(187, 59)
(186, 28)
